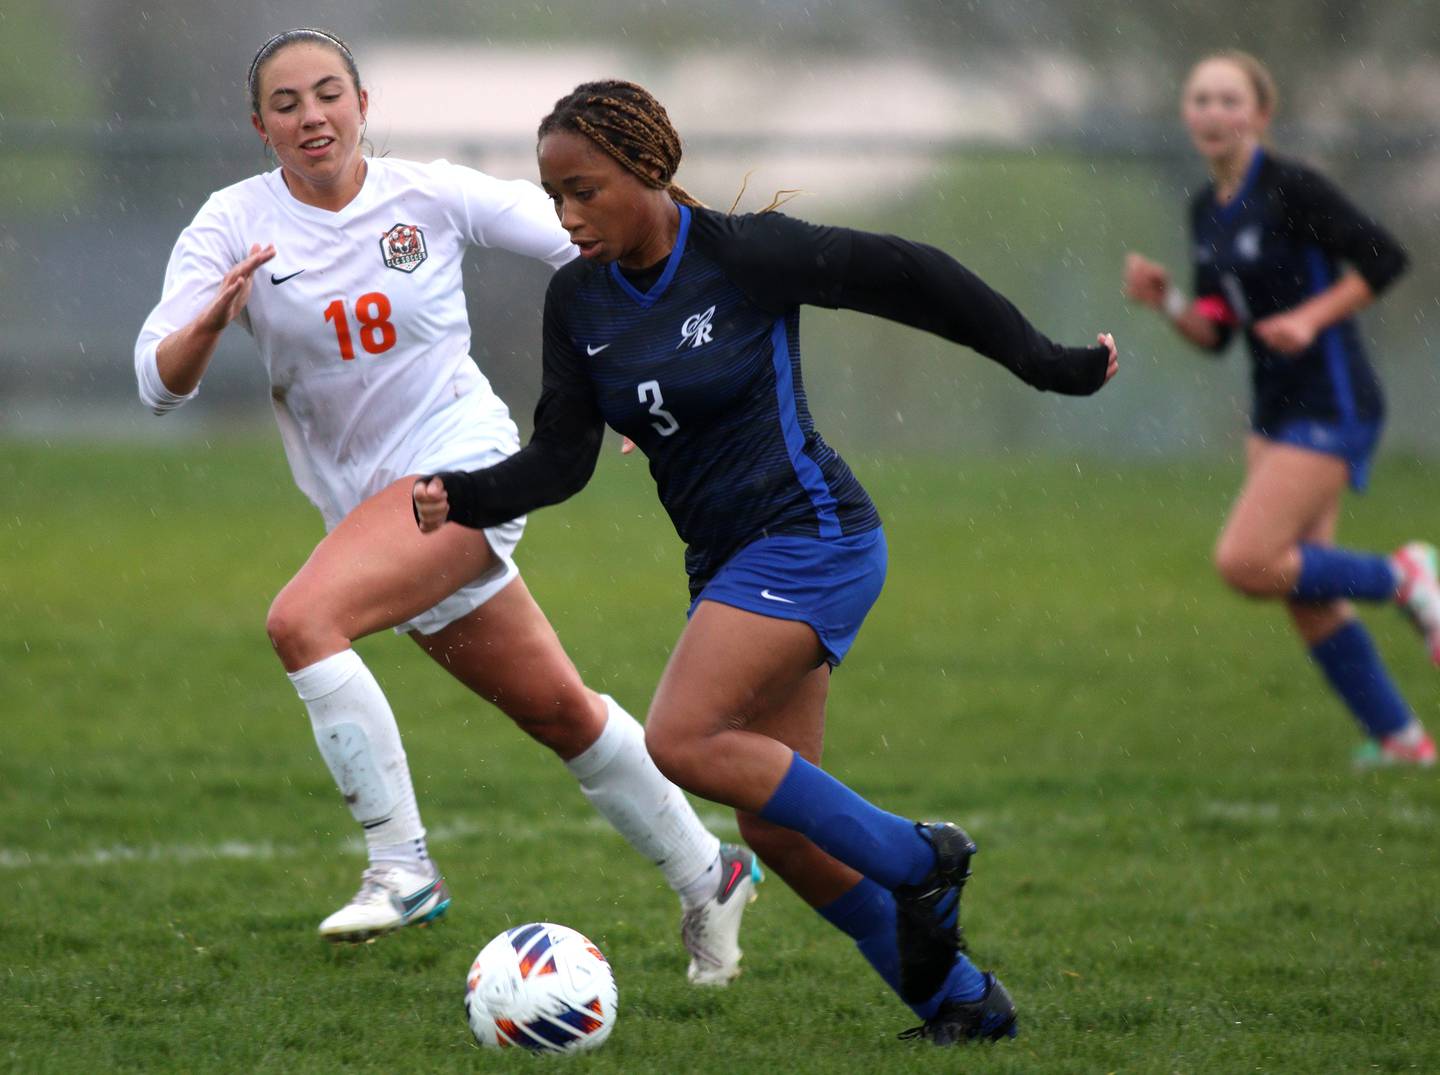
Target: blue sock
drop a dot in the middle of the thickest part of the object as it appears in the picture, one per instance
(1327, 573)
(867, 914)
(1355, 670)
(883, 847)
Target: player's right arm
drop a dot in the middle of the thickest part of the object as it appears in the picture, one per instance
(1148, 283)
(557, 462)
(1207, 319)
(206, 288)
(182, 356)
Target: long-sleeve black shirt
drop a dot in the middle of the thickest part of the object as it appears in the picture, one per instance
(698, 362)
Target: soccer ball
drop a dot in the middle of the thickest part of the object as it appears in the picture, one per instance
(543, 987)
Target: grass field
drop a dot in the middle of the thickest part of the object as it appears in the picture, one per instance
(1178, 870)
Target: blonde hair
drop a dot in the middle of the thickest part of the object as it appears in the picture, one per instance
(1267, 96)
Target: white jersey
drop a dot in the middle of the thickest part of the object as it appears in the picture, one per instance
(360, 317)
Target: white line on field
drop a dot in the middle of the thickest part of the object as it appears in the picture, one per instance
(505, 827)
(1275, 813)
(509, 827)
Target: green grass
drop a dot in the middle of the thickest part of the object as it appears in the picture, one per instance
(1178, 873)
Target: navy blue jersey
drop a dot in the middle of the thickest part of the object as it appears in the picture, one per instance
(705, 379)
(1281, 240)
(699, 363)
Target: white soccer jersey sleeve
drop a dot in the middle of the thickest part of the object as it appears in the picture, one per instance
(200, 260)
(507, 214)
(360, 318)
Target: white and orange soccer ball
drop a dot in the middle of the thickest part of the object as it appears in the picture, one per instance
(541, 987)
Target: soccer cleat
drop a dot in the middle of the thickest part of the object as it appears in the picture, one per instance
(990, 1018)
(1418, 593)
(390, 897)
(1391, 752)
(711, 931)
(927, 915)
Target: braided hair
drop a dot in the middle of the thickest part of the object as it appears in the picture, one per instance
(630, 125)
(290, 37)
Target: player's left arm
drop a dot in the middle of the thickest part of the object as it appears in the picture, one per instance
(512, 214)
(1318, 214)
(918, 285)
(922, 286)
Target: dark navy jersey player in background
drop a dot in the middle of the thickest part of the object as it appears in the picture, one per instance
(679, 327)
(1283, 256)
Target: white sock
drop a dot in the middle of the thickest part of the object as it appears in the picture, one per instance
(704, 886)
(618, 777)
(360, 742)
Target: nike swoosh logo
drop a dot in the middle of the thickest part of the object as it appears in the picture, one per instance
(771, 597)
(415, 899)
(281, 279)
(736, 869)
(592, 351)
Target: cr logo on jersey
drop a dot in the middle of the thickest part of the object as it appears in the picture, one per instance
(696, 329)
(1247, 243)
(403, 247)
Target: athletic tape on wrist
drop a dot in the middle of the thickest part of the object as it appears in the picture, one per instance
(1175, 303)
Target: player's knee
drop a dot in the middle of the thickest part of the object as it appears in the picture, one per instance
(296, 631)
(283, 623)
(1241, 570)
(673, 753)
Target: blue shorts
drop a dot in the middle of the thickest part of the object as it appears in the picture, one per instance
(828, 583)
(1353, 442)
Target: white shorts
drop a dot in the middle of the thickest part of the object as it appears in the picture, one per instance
(472, 432)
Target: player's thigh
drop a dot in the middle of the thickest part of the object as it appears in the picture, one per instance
(376, 569)
(731, 668)
(1288, 493)
(507, 652)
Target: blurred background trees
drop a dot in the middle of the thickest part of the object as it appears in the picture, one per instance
(1035, 139)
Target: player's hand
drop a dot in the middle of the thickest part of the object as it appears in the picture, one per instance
(1288, 333)
(431, 503)
(1112, 367)
(1146, 281)
(234, 290)
(626, 445)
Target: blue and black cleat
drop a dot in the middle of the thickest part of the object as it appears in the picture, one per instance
(927, 915)
(990, 1018)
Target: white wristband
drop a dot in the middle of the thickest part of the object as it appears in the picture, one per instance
(1175, 303)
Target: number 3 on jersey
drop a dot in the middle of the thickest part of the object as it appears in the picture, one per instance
(372, 311)
(649, 392)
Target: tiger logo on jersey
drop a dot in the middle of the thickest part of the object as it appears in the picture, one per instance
(403, 247)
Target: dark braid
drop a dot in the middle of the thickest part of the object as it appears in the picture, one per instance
(629, 124)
